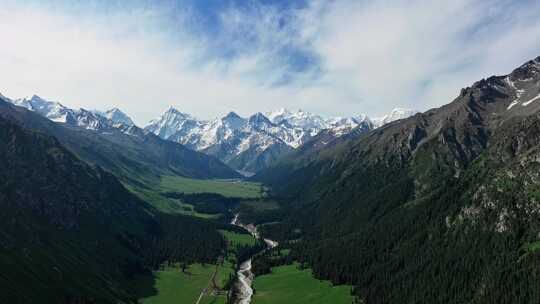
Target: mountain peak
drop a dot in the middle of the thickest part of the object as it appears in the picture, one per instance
(170, 122)
(362, 118)
(55, 111)
(395, 114)
(36, 97)
(232, 115)
(172, 109)
(114, 110)
(259, 118)
(174, 113)
(278, 114)
(117, 116)
(298, 118)
(39, 101)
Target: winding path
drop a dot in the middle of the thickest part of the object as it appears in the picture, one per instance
(211, 282)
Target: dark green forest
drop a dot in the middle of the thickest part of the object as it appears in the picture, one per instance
(71, 233)
(438, 208)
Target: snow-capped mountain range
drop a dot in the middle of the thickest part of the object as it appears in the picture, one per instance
(249, 144)
(52, 110)
(246, 144)
(91, 120)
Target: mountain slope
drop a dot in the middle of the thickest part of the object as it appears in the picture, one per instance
(127, 151)
(66, 228)
(71, 233)
(300, 157)
(437, 208)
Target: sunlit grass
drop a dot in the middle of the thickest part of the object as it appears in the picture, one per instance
(288, 284)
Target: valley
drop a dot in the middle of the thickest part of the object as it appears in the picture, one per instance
(217, 282)
(270, 152)
(153, 192)
(455, 171)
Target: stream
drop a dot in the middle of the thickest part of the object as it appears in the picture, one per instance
(242, 289)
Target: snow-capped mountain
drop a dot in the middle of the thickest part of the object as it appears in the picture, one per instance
(92, 120)
(117, 116)
(340, 126)
(299, 119)
(172, 122)
(313, 124)
(396, 114)
(249, 144)
(54, 111)
(246, 144)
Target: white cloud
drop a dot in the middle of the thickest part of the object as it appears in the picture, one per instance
(372, 56)
(419, 53)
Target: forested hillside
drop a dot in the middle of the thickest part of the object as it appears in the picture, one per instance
(71, 233)
(437, 208)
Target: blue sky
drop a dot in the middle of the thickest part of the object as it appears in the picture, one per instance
(207, 57)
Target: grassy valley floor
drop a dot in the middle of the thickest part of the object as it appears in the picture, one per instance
(288, 284)
(152, 192)
(174, 286)
(227, 188)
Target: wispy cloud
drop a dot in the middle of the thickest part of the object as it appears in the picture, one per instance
(334, 57)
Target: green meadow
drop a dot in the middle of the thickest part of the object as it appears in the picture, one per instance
(228, 188)
(151, 192)
(288, 284)
(173, 286)
(238, 239)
